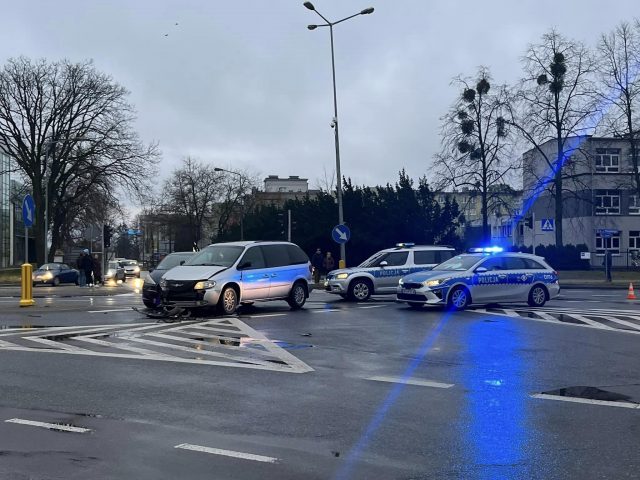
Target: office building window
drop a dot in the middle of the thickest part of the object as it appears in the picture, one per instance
(634, 205)
(611, 243)
(634, 240)
(608, 160)
(607, 202)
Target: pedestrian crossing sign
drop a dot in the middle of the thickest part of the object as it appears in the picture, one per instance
(546, 225)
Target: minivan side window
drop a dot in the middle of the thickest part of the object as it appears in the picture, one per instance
(296, 255)
(275, 255)
(254, 256)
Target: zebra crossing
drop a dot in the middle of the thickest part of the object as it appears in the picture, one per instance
(225, 341)
(627, 321)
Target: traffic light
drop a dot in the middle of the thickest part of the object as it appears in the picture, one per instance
(106, 235)
(528, 222)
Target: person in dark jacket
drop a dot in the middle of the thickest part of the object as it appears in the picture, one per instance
(328, 263)
(316, 263)
(97, 270)
(87, 266)
(608, 263)
(82, 279)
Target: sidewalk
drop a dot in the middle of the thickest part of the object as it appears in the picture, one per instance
(596, 279)
(14, 291)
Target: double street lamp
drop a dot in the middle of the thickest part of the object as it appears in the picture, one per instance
(218, 169)
(334, 123)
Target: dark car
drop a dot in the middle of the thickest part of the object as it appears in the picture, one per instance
(54, 274)
(151, 286)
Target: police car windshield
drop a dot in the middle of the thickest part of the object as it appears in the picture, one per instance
(216, 255)
(458, 263)
(372, 260)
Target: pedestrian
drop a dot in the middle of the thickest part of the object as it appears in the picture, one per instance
(328, 263)
(608, 263)
(82, 279)
(316, 263)
(97, 270)
(87, 266)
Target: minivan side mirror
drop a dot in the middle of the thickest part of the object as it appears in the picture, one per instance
(244, 265)
(481, 270)
(384, 263)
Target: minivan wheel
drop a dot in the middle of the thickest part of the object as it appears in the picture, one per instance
(228, 301)
(360, 290)
(297, 296)
(537, 296)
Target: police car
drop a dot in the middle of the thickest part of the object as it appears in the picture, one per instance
(486, 275)
(381, 272)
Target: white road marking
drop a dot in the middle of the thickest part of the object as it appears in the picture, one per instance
(619, 321)
(410, 381)
(266, 315)
(325, 310)
(373, 306)
(605, 403)
(50, 426)
(227, 453)
(608, 295)
(111, 310)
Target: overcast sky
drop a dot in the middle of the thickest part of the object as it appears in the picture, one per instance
(244, 84)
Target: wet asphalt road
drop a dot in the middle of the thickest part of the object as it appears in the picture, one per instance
(366, 391)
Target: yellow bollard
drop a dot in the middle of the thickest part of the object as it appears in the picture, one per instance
(27, 286)
(342, 264)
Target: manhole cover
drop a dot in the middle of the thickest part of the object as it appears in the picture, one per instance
(590, 393)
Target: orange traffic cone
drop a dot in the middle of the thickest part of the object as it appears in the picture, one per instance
(632, 294)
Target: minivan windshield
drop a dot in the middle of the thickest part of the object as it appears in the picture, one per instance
(216, 255)
(459, 263)
(173, 260)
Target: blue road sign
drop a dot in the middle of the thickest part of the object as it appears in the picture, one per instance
(28, 211)
(608, 232)
(341, 234)
(546, 225)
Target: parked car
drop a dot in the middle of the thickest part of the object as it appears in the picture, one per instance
(381, 272)
(151, 293)
(483, 276)
(114, 272)
(131, 268)
(54, 274)
(224, 275)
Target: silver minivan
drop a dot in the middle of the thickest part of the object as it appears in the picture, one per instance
(224, 275)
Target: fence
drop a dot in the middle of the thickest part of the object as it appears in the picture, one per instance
(620, 259)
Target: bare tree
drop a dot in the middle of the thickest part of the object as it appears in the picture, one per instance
(555, 107)
(235, 201)
(69, 129)
(475, 147)
(192, 191)
(619, 68)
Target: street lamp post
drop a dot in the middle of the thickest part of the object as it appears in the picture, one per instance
(218, 169)
(334, 123)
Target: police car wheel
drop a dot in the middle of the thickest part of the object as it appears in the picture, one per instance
(228, 301)
(297, 296)
(359, 290)
(459, 298)
(537, 296)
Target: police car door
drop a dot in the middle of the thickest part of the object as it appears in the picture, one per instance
(490, 286)
(391, 268)
(520, 279)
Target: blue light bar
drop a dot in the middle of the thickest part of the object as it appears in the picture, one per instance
(406, 244)
(486, 250)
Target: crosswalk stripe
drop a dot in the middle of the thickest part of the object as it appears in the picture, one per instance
(620, 321)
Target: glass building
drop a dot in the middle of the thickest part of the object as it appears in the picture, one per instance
(6, 220)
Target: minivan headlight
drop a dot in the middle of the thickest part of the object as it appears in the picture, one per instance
(204, 285)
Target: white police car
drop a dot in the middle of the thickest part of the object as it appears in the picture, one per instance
(486, 275)
(381, 272)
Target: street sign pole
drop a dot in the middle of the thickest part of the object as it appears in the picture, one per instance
(26, 244)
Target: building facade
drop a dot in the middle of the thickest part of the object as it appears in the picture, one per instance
(601, 207)
(278, 190)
